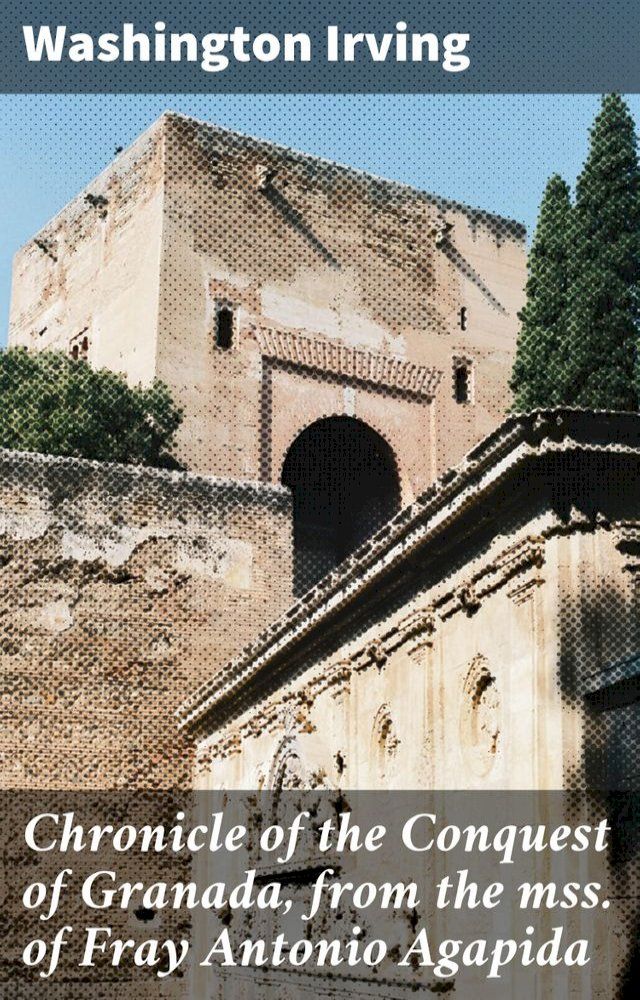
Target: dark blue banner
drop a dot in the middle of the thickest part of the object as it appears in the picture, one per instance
(460, 46)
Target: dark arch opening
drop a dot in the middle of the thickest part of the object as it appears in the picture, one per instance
(345, 485)
(224, 328)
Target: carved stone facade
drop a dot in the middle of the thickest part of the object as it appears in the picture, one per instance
(485, 639)
(462, 646)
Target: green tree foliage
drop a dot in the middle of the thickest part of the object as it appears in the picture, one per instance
(578, 344)
(602, 328)
(50, 403)
(535, 377)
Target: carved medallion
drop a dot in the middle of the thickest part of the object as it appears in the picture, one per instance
(480, 720)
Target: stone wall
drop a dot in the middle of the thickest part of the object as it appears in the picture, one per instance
(122, 588)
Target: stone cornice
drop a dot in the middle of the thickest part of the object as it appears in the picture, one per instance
(325, 355)
(507, 451)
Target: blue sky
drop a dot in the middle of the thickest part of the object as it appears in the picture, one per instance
(491, 151)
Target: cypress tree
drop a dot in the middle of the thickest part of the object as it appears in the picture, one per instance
(535, 376)
(600, 368)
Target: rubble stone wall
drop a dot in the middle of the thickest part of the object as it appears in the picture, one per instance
(122, 588)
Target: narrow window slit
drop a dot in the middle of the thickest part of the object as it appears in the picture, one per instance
(462, 382)
(224, 328)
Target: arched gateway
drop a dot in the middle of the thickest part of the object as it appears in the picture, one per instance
(345, 485)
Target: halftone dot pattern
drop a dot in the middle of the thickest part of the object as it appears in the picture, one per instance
(336, 344)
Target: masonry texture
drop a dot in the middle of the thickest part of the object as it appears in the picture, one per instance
(122, 587)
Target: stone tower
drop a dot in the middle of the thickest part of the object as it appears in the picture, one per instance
(346, 336)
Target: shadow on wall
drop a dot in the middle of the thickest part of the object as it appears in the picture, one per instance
(295, 219)
(453, 254)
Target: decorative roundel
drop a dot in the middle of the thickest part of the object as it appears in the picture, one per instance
(384, 733)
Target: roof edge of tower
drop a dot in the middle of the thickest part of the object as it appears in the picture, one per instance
(517, 230)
